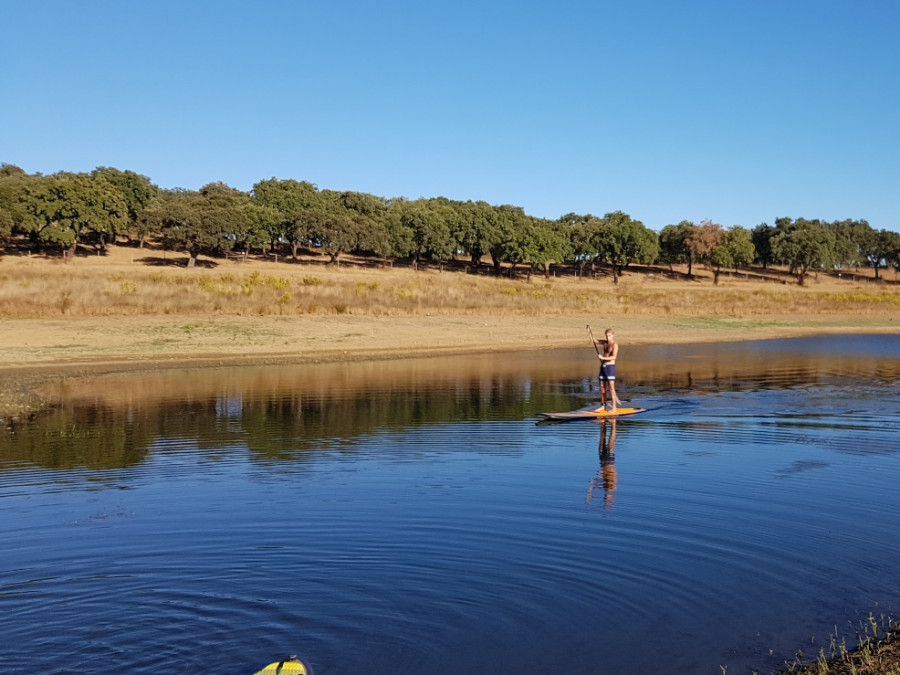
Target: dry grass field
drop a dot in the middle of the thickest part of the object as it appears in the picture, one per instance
(130, 282)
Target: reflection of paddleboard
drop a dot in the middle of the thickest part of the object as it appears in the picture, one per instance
(592, 414)
(290, 666)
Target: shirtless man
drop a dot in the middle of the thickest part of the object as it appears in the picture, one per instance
(607, 353)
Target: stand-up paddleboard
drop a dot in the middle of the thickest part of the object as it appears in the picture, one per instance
(290, 666)
(591, 414)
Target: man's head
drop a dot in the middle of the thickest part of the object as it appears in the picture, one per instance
(609, 334)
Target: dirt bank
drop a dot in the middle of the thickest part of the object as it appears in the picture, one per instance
(35, 352)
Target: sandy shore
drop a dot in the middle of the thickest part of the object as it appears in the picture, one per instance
(35, 352)
(125, 343)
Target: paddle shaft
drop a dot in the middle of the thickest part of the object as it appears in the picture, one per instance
(593, 341)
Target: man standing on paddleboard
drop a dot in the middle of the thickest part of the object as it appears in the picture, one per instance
(609, 350)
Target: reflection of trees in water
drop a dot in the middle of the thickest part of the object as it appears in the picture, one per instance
(275, 425)
(95, 437)
(279, 426)
(289, 413)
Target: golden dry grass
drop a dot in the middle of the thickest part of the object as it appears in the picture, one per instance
(877, 652)
(134, 282)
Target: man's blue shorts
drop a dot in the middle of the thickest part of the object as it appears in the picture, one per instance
(608, 372)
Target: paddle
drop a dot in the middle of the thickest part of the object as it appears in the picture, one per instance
(593, 341)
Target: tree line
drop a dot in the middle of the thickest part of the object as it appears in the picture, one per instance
(58, 212)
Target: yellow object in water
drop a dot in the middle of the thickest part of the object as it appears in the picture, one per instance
(290, 666)
(592, 414)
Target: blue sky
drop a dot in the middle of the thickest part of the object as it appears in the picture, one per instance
(737, 111)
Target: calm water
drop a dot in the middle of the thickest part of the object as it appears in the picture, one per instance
(413, 517)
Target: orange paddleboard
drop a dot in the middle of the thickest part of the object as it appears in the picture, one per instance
(592, 414)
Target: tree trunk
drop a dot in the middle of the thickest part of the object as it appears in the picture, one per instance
(192, 259)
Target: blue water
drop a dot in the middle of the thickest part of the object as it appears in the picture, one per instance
(414, 517)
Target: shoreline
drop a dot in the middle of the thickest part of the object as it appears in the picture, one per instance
(372, 341)
(125, 312)
(55, 349)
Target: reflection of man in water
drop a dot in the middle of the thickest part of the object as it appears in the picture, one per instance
(606, 476)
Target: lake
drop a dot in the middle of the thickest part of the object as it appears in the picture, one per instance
(414, 516)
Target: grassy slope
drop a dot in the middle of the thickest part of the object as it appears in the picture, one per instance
(146, 282)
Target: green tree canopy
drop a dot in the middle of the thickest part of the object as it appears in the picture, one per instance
(551, 243)
(512, 239)
(803, 245)
(136, 190)
(331, 226)
(673, 247)
(761, 236)
(703, 240)
(335, 233)
(369, 213)
(850, 238)
(584, 238)
(11, 170)
(286, 196)
(15, 214)
(881, 249)
(400, 239)
(74, 207)
(6, 221)
(624, 241)
(425, 227)
(735, 249)
(476, 230)
(893, 256)
(519, 242)
(296, 202)
(208, 221)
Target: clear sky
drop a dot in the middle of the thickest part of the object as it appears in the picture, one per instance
(737, 111)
